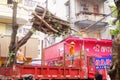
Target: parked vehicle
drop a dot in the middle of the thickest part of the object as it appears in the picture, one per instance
(90, 55)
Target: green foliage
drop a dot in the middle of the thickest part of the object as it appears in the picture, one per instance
(111, 22)
(77, 33)
(11, 54)
(115, 14)
(117, 29)
(62, 29)
(56, 24)
(117, 24)
(11, 58)
(33, 30)
(114, 32)
(116, 0)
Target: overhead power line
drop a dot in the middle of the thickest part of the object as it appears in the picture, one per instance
(97, 21)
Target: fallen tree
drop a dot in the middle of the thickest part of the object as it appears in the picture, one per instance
(51, 24)
(43, 21)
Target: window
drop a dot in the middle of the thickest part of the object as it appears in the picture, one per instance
(96, 9)
(25, 30)
(9, 1)
(8, 29)
(39, 52)
(20, 31)
(96, 34)
(84, 7)
(30, 3)
(54, 1)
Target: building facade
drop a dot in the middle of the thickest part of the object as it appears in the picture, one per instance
(6, 13)
(85, 14)
(30, 50)
(81, 14)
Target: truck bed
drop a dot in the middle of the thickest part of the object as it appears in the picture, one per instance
(43, 72)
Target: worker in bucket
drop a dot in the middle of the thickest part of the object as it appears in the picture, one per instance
(72, 51)
(20, 57)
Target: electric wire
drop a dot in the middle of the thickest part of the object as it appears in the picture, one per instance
(86, 28)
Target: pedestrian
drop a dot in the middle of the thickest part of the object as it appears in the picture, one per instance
(98, 76)
(72, 51)
(20, 57)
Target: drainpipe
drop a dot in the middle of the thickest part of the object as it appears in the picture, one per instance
(72, 14)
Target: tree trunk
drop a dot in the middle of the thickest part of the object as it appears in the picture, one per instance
(114, 71)
(17, 44)
(115, 68)
(12, 47)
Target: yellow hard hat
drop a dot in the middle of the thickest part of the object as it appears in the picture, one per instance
(72, 42)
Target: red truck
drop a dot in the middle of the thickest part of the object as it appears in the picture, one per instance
(90, 55)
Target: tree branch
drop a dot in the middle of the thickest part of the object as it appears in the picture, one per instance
(48, 26)
(25, 38)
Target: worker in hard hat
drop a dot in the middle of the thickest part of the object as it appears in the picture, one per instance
(72, 51)
(20, 57)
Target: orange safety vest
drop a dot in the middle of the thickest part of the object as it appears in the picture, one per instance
(72, 49)
(20, 57)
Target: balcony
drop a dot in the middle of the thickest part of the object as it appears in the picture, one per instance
(83, 15)
(6, 14)
(87, 18)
